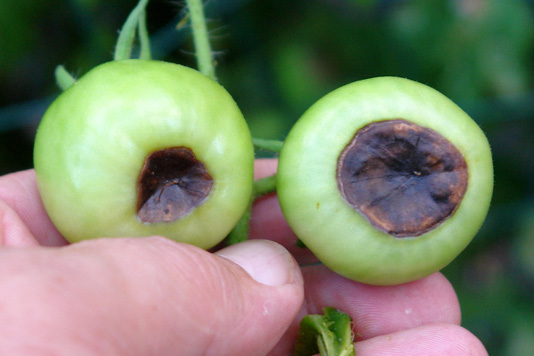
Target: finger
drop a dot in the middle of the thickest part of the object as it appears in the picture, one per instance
(428, 340)
(13, 231)
(268, 222)
(379, 310)
(19, 192)
(265, 167)
(147, 296)
(375, 310)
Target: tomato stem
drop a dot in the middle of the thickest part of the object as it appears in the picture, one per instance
(123, 49)
(201, 39)
(329, 334)
(269, 145)
(63, 78)
(240, 232)
(144, 38)
(261, 187)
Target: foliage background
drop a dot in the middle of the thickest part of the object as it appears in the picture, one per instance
(278, 57)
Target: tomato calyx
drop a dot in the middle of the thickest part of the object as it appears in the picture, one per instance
(405, 179)
(171, 184)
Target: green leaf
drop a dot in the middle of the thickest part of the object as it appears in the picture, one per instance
(329, 334)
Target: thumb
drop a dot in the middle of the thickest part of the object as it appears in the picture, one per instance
(148, 296)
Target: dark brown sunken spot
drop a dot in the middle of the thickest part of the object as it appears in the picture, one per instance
(405, 179)
(171, 184)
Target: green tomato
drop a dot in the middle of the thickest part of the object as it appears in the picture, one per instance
(138, 148)
(386, 180)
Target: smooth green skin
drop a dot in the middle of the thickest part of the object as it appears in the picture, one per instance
(94, 138)
(340, 236)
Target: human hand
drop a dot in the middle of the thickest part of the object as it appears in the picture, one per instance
(152, 296)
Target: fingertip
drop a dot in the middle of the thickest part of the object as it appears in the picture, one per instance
(249, 292)
(264, 167)
(13, 231)
(268, 223)
(428, 340)
(267, 262)
(280, 289)
(19, 191)
(378, 310)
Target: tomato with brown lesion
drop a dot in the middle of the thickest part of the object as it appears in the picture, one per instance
(139, 148)
(386, 180)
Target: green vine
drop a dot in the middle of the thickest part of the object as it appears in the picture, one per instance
(261, 187)
(135, 23)
(123, 49)
(201, 39)
(64, 79)
(144, 38)
(269, 145)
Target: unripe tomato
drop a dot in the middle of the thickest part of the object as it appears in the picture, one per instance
(139, 148)
(386, 180)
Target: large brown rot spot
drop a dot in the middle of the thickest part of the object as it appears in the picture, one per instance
(171, 184)
(403, 178)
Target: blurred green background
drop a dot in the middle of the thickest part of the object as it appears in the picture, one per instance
(278, 57)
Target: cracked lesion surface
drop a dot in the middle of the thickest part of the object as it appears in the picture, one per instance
(171, 184)
(405, 179)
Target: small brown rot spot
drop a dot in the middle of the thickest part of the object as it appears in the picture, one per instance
(405, 179)
(171, 184)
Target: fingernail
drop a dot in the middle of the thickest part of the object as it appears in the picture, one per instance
(265, 261)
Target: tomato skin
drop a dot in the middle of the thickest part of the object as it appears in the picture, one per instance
(94, 138)
(338, 234)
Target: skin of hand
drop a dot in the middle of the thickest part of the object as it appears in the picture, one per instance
(153, 296)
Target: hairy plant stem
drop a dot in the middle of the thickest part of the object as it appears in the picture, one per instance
(201, 39)
(144, 38)
(135, 23)
(64, 79)
(261, 187)
(269, 145)
(264, 186)
(123, 49)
